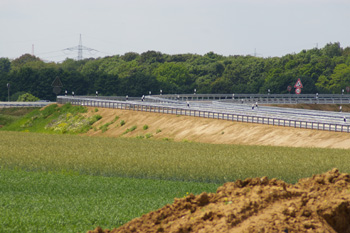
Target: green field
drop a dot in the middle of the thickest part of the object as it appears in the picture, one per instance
(154, 159)
(70, 183)
(67, 202)
(9, 115)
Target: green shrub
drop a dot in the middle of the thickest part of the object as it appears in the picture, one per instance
(27, 97)
(167, 139)
(148, 135)
(158, 131)
(116, 118)
(130, 129)
(104, 127)
(122, 122)
(145, 127)
(94, 119)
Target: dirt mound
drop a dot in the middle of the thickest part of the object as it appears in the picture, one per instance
(317, 204)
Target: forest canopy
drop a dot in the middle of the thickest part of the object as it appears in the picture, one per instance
(321, 70)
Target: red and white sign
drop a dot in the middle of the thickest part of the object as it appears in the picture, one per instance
(289, 88)
(298, 90)
(298, 84)
(348, 89)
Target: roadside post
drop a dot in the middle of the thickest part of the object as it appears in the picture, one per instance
(8, 92)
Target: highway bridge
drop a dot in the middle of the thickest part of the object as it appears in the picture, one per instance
(225, 110)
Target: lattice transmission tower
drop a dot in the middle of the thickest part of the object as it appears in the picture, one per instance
(80, 49)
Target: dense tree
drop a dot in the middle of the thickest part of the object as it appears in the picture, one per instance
(222, 85)
(151, 57)
(5, 67)
(130, 56)
(332, 49)
(340, 78)
(322, 70)
(25, 59)
(138, 84)
(173, 78)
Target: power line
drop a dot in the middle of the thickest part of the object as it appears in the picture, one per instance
(68, 51)
(49, 52)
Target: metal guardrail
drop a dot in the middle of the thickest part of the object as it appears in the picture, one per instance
(187, 111)
(120, 98)
(23, 104)
(264, 98)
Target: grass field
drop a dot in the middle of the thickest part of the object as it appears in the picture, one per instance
(69, 183)
(68, 202)
(136, 158)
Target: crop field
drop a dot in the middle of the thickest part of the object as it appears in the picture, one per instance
(69, 183)
(68, 202)
(154, 159)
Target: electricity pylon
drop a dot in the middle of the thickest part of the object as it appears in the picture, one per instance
(80, 49)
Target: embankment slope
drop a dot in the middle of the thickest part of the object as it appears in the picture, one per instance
(186, 128)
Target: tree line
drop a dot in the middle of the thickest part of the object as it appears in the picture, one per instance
(321, 70)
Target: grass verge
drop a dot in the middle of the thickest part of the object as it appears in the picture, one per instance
(66, 119)
(9, 115)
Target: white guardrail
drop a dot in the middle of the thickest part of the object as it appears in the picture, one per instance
(24, 104)
(264, 98)
(330, 123)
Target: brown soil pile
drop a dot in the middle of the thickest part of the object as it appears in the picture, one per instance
(317, 204)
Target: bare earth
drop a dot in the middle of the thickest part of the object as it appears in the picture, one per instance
(180, 128)
(317, 204)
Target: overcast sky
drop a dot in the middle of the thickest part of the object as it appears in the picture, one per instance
(228, 27)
